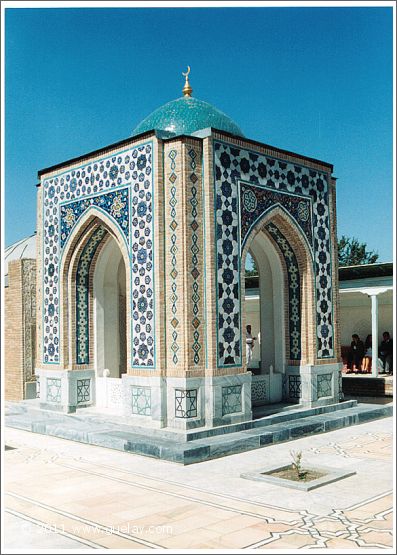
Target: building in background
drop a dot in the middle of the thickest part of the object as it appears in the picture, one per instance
(366, 302)
(20, 319)
(366, 307)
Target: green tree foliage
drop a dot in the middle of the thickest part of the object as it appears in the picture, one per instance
(250, 267)
(353, 253)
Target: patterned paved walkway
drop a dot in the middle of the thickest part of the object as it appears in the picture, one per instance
(62, 494)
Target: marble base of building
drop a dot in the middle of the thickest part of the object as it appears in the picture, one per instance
(186, 403)
(66, 390)
(312, 385)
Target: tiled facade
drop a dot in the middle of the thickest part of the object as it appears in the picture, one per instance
(299, 190)
(183, 212)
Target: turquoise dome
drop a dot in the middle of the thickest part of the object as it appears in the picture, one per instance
(186, 115)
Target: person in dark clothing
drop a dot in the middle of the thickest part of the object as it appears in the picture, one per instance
(386, 353)
(367, 360)
(356, 353)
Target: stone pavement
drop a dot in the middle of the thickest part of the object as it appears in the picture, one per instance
(63, 495)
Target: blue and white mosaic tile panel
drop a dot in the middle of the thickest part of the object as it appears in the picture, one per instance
(115, 204)
(103, 183)
(236, 168)
(256, 201)
(142, 268)
(173, 250)
(194, 222)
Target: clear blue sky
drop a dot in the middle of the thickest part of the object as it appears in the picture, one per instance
(317, 81)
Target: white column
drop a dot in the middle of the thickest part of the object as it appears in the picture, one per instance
(374, 315)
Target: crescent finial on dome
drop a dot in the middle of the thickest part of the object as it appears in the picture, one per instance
(187, 89)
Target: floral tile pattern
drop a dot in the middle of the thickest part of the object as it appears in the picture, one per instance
(115, 203)
(256, 201)
(235, 169)
(106, 184)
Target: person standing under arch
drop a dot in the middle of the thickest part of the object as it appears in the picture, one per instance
(249, 342)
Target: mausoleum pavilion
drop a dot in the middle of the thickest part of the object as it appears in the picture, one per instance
(141, 250)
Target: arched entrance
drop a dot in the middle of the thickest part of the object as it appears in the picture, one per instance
(264, 311)
(270, 346)
(278, 307)
(95, 331)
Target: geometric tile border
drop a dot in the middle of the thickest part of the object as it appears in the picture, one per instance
(294, 387)
(294, 293)
(54, 390)
(185, 403)
(231, 399)
(173, 252)
(195, 273)
(82, 295)
(83, 391)
(324, 385)
(141, 400)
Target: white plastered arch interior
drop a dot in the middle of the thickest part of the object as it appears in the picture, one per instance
(272, 298)
(110, 331)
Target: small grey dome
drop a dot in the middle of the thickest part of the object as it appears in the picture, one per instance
(24, 248)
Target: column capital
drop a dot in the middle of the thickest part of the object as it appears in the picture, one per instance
(376, 292)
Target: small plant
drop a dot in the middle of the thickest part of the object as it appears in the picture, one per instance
(296, 457)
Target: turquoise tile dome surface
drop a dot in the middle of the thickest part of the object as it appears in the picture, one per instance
(186, 115)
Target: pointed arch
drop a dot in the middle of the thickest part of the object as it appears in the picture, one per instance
(278, 216)
(87, 225)
(276, 209)
(88, 216)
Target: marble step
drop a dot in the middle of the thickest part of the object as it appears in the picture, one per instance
(294, 413)
(198, 450)
(28, 412)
